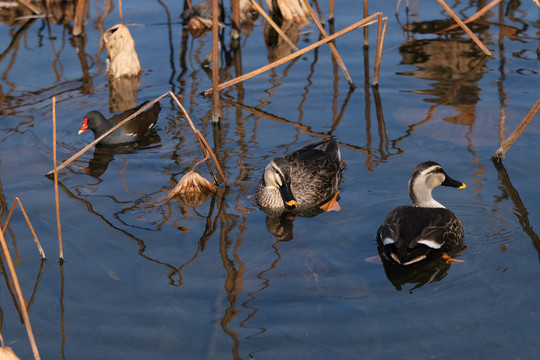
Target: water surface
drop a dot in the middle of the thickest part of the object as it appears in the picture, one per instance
(146, 279)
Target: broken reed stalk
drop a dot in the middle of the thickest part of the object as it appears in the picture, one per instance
(79, 17)
(274, 25)
(215, 62)
(331, 11)
(330, 44)
(56, 200)
(365, 22)
(201, 138)
(120, 11)
(381, 34)
(482, 11)
(85, 149)
(510, 140)
(464, 27)
(366, 30)
(22, 303)
(8, 218)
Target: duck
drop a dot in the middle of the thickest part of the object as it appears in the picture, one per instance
(303, 179)
(411, 234)
(131, 132)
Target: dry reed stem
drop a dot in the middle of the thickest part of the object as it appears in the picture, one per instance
(331, 11)
(381, 34)
(56, 200)
(330, 44)
(465, 27)
(365, 22)
(510, 140)
(85, 149)
(482, 11)
(120, 10)
(200, 137)
(8, 218)
(22, 305)
(274, 25)
(366, 30)
(215, 62)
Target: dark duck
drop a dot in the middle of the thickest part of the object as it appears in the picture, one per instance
(410, 234)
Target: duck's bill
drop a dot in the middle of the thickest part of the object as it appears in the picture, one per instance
(83, 127)
(453, 183)
(287, 196)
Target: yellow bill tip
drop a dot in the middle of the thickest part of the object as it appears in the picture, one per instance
(463, 186)
(291, 203)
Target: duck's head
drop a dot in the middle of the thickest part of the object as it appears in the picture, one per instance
(277, 176)
(426, 177)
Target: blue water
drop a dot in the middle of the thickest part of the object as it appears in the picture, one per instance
(144, 279)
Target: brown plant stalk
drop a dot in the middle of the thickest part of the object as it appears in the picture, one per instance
(481, 12)
(56, 200)
(330, 44)
(464, 27)
(20, 296)
(381, 34)
(8, 218)
(365, 22)
(216, 114)
(202, 140)
(274, 25)
(510, 140)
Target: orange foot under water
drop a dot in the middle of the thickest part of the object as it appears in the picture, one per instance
(450, 259)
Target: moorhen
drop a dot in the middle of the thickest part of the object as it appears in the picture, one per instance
(130, 132)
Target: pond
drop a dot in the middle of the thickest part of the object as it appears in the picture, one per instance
(143, 278)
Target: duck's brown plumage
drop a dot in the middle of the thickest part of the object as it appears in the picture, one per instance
(303, 179)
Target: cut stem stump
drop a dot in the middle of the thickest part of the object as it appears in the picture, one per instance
(506, 144)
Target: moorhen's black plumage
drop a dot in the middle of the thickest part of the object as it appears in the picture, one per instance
(133, 131)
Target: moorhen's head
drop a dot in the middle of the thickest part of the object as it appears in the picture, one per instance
(96, 122)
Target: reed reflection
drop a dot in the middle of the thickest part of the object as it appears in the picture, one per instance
(455, 66)
(522, 214)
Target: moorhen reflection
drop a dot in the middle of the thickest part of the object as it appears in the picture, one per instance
(301, 181)
(131, 132)
(411, 234)
(103, 155)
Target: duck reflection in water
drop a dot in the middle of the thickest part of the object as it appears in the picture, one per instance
(420, 274)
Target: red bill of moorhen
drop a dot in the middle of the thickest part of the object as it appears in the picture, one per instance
(133, 131)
